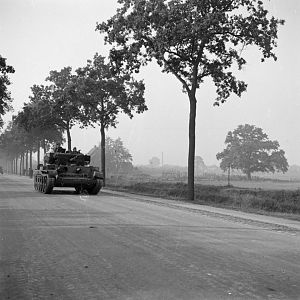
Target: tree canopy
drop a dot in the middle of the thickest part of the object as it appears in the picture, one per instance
(95, 94)
(249, 149)
(118, 158)
(193, 40)
(5, 97)
(104, 93)
(154, 161)
(63, 102)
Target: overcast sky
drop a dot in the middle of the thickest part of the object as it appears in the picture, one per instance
(38, 36)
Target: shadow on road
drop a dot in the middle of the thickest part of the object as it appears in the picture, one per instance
(35, 194)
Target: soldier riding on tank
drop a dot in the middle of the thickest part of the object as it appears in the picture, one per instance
(59, 149)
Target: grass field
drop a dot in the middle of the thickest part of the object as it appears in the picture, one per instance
(267, 197)
(265, 184)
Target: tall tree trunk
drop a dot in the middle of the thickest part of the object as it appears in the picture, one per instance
(16, 166)
(44, 146)
(191, 157)
(38, 153)
(69, 137)
(30, 172)
(26, 163)
(30, 159)
(249, 175)
(20, 170)
(102, 131)
(23, 163)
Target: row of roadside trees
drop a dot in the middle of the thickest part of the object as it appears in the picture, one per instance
(92, 95)
(5, 96)
(192, 39)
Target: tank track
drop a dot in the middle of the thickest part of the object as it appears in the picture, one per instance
(96, 188)
(92, 190)
(43, 184)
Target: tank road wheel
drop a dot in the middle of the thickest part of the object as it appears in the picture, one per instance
(48, 185)
(94, 190)
(37, 182)
(40, 183)
(43, 184)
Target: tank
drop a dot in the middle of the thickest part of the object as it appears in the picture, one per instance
(67, 170)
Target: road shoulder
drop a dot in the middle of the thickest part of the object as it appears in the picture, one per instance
(270, 222)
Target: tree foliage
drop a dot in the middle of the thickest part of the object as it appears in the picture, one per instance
(30, 129)
(104, 93)
(154, 162)
(63, 103)
(5, 97)
(37, 117)
(249, 149)
(118, 158)
(14, 141)
(193, 40)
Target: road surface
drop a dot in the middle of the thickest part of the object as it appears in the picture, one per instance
(121, 246)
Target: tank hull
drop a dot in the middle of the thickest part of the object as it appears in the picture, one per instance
(45, 183)
(73, 182)
(67, 170)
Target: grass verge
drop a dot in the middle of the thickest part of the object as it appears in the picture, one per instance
(271, 202)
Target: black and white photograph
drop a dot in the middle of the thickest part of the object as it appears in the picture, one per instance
(149, 149)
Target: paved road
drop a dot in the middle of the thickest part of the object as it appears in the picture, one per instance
(115, 246)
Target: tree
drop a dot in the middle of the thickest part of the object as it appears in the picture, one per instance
(192, 39)
(64, 104)
(40, 116)
(104, 93)
(13, 144)
(154, 162)
(38, 120)
(5, 97)
(118, 158)
(250, 150)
